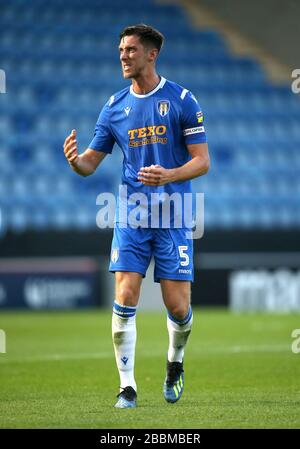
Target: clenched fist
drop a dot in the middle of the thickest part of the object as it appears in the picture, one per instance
(155, 175)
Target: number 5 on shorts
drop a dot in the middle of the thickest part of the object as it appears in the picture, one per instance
(186, 260)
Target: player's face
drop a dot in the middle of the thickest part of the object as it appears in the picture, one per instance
(134, 56)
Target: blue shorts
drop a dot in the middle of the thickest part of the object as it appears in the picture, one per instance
(132, 250)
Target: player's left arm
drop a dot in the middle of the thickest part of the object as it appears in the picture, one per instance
(198, 165)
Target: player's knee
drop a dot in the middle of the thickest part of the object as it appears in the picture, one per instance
(180, 311)
(127, 295)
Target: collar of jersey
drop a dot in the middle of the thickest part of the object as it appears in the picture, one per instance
(159, 86)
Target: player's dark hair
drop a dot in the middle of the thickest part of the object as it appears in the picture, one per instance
(149, 36)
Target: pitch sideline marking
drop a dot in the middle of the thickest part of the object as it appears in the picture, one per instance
(107, 355)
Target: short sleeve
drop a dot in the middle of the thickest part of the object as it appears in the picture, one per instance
(103, 139)
(192, 120)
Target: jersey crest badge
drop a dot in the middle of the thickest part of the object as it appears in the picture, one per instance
(163, 107)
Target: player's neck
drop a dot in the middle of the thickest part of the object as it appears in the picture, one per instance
(143, 85)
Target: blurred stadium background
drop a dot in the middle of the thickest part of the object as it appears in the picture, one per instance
(61, 64)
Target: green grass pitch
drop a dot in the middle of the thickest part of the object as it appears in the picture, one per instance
(59, 372)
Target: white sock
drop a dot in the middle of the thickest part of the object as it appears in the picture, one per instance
(124, 339)
(179, 331)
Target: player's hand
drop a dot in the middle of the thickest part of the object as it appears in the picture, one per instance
(70, 147)
(155, 175)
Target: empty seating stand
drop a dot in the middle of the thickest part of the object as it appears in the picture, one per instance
(61, 63)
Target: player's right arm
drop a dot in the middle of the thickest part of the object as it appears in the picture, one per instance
(102, 144)
(84, 164)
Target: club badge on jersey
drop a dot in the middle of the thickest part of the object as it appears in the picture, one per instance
(163, 107)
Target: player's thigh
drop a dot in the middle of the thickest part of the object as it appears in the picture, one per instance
(173, 255)
(131, 250)
(176, 296)
(127, 287)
